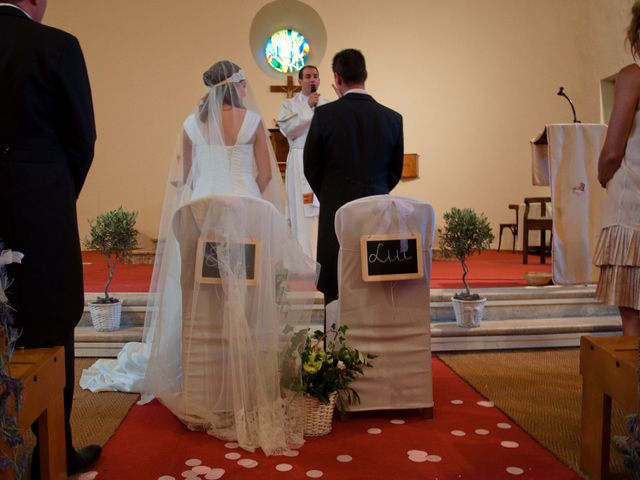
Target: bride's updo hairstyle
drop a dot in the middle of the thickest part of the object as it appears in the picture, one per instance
(216, 76)
(633, 32)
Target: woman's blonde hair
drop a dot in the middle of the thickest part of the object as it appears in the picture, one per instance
(633, 32)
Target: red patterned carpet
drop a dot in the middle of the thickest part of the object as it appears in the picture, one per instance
(468, 438)
(490, 269)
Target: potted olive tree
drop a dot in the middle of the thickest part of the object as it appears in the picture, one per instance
(464, 233)
(114, 235)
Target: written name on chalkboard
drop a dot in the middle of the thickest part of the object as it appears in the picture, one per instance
(393, 256)
(218, 260)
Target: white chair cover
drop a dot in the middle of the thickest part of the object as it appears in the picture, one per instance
(389, 319)
(227, 378)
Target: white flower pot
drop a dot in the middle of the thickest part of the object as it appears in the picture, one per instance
(468, 312)
(105, 316)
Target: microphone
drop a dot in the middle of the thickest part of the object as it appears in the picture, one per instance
(313, 88)
(562, 94)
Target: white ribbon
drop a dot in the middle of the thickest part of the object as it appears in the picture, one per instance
(235, 78)
(7, 257)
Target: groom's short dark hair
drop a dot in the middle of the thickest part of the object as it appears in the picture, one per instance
(350, 65)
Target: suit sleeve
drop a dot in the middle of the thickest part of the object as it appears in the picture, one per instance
(78, 130)
(397, 159)
(313, 157)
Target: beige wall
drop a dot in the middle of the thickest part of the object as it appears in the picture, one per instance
(473, 80)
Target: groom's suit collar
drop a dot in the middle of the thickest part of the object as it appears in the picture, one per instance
(11, 10)
(357, 96)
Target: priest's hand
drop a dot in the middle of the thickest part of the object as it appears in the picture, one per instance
(313, 100)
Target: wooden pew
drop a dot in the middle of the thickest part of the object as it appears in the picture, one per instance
(608, 366)
(41, 371)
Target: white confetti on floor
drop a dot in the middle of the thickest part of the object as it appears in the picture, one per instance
(247, 463)
(193, 462)
(214, 474)
(314, 474)
(344, 458)
(163, 477)
(458, 433)
(417, 452)
(201, 469)
(486, 403)
(507, 444)
(374, 431)
(457, 402)
(434, 458)
(231, 445)
(397, 421)
(232, 456)
(515, 470)
(504, 426)
(482, 431)
(418, 458)
(190, 474)
(284, 467)
(291, 453)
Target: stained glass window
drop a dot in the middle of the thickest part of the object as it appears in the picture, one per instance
(287, 51)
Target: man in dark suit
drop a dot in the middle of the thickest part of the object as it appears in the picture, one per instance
(47, 136)
(354, 149)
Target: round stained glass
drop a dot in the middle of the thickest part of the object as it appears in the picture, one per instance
(287, 51)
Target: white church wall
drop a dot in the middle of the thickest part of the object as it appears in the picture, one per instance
(473, 80)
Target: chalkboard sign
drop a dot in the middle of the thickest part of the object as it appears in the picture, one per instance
(243, 258)
(391, 257)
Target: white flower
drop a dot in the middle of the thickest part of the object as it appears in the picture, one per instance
(341, 365)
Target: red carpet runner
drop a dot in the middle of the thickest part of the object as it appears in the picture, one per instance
(468, 438)
(489, 270)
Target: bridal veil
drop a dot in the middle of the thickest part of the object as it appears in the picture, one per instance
(229, 283)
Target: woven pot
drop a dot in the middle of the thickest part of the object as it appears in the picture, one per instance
(317, 416)
(105, 316)
(468, 312)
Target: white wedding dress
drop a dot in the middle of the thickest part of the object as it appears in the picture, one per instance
(220, 169)
(212, 353)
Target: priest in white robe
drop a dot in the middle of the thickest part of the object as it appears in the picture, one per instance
(293, 120)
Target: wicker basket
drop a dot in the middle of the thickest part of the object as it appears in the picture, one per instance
(105, 316)
(317, 416)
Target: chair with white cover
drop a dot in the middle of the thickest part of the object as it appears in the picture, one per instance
(390, 319)
(234, 253)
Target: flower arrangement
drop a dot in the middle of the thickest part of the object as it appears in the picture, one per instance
(14, 459)
(328, 364)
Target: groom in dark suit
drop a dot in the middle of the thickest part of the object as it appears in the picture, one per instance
(47, 136)
(354, 149)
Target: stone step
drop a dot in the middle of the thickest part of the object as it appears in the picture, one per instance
(547, 332)
(525, 317)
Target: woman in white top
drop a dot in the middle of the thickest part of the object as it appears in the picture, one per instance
(618, 250)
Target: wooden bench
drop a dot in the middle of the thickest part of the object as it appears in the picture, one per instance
(608, 366)
(41, 371)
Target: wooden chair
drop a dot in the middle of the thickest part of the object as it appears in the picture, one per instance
(542, 223)
(513, 227)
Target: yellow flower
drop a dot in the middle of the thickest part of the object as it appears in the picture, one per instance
(314, 362)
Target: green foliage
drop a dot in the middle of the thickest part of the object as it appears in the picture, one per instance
(114, 235)
(327, 369)
(464, 233)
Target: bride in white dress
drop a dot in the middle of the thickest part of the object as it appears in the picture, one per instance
(211, 352)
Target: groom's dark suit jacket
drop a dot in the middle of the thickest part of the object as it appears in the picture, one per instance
(354, 149)
(47, 135)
